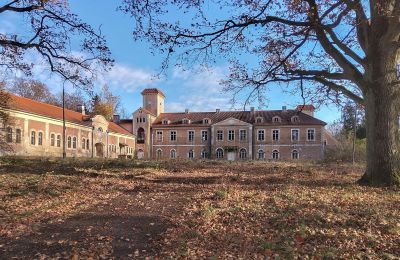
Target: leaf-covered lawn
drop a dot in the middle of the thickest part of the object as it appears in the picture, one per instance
(250, 210)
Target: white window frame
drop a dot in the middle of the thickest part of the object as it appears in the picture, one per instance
(298, 134)
(34, 136)
(259, 118)
(240, 153)
(157, 134)
(170, 135)
(272, 154)
(175, 154)
(245, 134)
(295, 118)
(258, 154)
(59, 140)
(222, 135)
(276, 117)
(272, 135)
(216, 153)
(258, 134)
(188, 135)
(206, 135)
(231, 131)
(315, 135)
(298, 154)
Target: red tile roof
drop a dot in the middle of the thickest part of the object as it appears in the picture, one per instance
(246, 116)
(152, 91)
(52, 111)
(305, 107)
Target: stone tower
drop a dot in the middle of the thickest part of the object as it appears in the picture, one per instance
(153, 101)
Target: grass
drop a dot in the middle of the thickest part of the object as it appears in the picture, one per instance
(249, 210)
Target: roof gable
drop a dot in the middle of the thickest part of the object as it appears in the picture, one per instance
(231, 122)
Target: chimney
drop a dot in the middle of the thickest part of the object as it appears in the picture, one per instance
(81, 109)
(116, 119)
(217, 110)
(186, 111)
(306, 109)
(252, 109)
(284, 108)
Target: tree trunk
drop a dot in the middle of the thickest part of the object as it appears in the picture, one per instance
(382, 107)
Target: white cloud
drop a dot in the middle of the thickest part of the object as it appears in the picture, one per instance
(199, 89)
(128, 78)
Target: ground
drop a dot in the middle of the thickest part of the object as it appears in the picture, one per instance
(253, 210)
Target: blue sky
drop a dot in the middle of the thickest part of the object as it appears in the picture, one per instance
(135, 67)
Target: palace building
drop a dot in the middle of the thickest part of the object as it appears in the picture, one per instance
(36, 129)
(232, 135)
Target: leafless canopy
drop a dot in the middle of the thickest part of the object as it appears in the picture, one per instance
(321, 45)
(69, 47)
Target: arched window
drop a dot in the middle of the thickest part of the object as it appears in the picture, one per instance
(33, 137)
(74, 142)
(140, 135)
(173, 154)
(276, 119)
(18, 136)
(185, 121)
(159, 153)
(206, 121)
(69, 142)
(87, 144)
(204, 154)
(275, 154)
(261, 154)
(52, 140)
(295, 154)
(58, 140)
(9, 135)
(259, 120)
(40, 138)
(165, 122)
(83, 144)
(190, 154)
(295, 119)
(243, 154)
(220, 153)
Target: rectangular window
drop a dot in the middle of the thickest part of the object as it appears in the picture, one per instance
(220, 135)
(18, 136)
(275, 135)
(310, 134)
(52, 140)
(243, 134)
(295, 135)
(58, 140)
(9, 135)
(231, 135)
(190, 136)
(204, 135)
(83, 144)
(173, 136)
(159, 136)
(33, 138)
(261, 135)
(40, 138)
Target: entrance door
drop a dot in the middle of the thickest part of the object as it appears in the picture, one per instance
(140, 154)
(231, 156)
(99, 150)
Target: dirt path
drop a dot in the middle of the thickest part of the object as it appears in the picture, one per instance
(125, 227)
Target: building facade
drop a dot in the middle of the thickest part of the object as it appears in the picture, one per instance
(226, 135)
(36, 129)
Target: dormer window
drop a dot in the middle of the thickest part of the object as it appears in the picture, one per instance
(276, 119)
(185, 121)
(206, 121)
(295, 119)
(165, 122)
(259, 120)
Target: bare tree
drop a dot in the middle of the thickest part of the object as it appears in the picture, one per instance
(52, 33)
(330, 49)
(32, 89)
